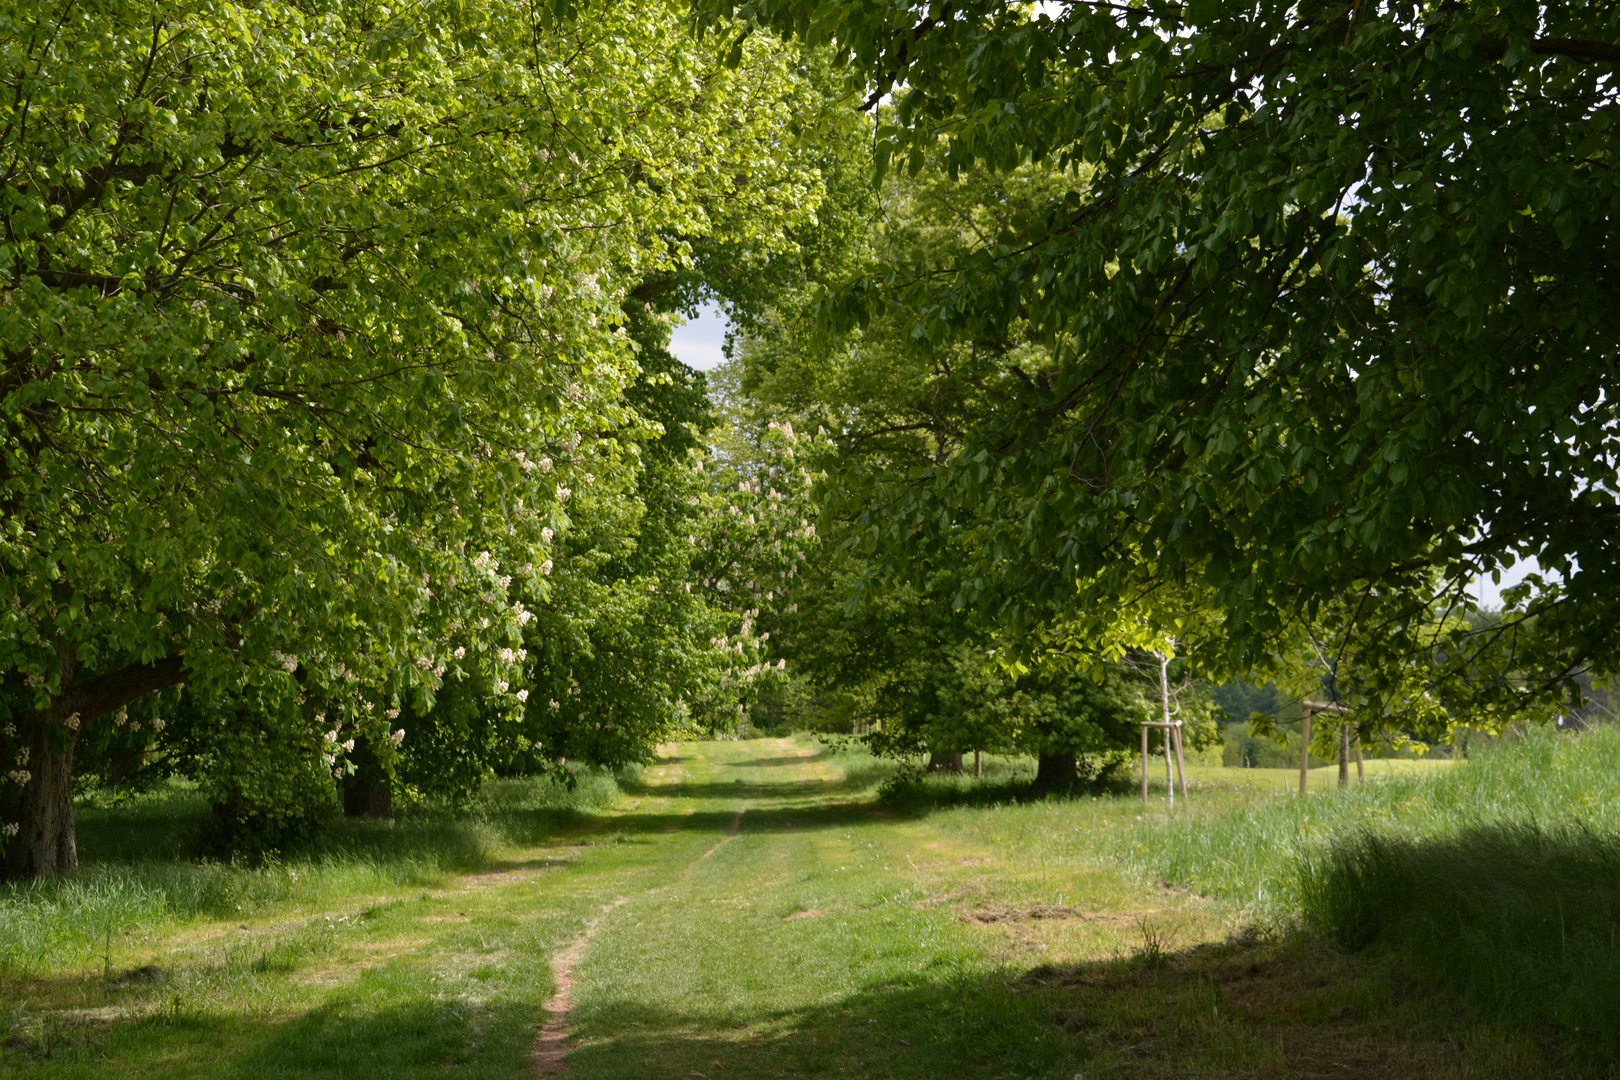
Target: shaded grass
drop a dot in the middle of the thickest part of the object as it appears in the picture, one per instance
(1519, 919)
(138, 872)
(1251, 848)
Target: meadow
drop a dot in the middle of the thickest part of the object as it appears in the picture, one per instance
(753, 909)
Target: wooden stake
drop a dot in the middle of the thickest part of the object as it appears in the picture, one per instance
(1304, 749)
(1144, 764)
(1181, 768)
(1169, 774)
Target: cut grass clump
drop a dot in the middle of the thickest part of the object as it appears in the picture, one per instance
(1518, 919)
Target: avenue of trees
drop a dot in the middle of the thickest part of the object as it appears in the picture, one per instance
(1274, 327)
(343, 457)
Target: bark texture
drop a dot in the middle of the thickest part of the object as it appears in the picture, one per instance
(1056, 772)
(45, 843)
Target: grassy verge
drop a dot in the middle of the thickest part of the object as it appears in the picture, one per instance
(1497, 880)
(1251, 848)
(139, 878)
(1518, 918)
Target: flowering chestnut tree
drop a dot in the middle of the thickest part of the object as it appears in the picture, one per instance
(305, 311)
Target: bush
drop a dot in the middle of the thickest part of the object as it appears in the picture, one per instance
(267, 795)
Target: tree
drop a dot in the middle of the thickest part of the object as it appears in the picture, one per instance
(889, 632)
(306, 310)
(1330, 307)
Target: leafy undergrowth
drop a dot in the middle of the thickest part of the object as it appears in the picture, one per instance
(138, 871)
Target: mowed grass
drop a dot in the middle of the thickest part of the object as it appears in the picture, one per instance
(1497, 879)
(375, 954)
(751, 911)
(139, 876)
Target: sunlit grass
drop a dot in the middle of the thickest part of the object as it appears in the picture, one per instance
(139, 874)
(1249, 847)
(1497, 878)
(973, 931)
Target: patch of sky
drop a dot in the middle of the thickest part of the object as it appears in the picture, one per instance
(700, 342)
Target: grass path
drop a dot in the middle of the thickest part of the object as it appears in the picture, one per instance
(746, 911)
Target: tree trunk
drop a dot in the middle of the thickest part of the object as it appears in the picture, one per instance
(942, 761)
(1056, 772)
(45, 844)
(124, 767)
(368, 792)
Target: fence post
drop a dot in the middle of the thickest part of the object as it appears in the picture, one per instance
(1344, 755)
(1181, 768)
(1304, 749)
(1144, 764)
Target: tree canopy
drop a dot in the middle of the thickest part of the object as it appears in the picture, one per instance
(313, 319)
(1328, 314)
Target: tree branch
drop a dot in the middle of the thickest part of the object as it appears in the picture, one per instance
(104, 693)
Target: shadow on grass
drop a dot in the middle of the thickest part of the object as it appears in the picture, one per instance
(165, 831)
(1252, 1006)
(1519, 919)
(925, 1028)
(349, 1039)
(747, 790)
(789, 759)
(1249, 1007)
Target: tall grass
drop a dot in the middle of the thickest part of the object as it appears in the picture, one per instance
(1519, 918)
(139, 873)
(1253, 848)
(1498, 879)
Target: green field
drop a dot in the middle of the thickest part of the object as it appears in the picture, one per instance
(740, 909)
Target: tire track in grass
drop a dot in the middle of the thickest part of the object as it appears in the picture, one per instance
(736, 827)
(549, 1055)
